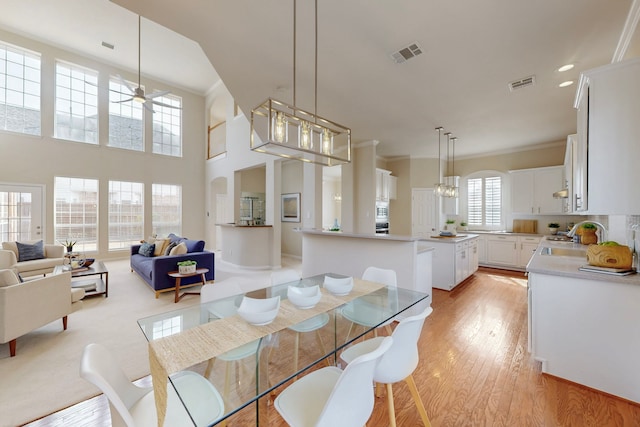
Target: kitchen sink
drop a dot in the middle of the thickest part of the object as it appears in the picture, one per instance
(546, 250)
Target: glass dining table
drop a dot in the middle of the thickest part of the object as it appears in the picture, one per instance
(247, 363)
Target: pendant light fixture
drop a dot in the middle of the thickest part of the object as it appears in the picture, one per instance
(271, 120)
(454, 188)
(439, 188)
(446, 192)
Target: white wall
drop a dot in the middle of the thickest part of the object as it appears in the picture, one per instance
(38, 160)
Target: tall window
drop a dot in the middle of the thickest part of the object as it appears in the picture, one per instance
(76, 212)
(19, 90)
(15, 216)
(167, 126)
(126, 214)
(125, 118)
(484, 201)
(76, 116)
(166, 209)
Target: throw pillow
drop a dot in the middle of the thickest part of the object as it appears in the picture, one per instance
(170, 246)
(146, 249)
(8, 278)
(161, 244)
(179, 249)
(28, 252)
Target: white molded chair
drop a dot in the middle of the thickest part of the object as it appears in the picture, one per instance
(358, 313)
(398, 363)
(210, 293)
(134, 406)
(316, 323)
(330, 397)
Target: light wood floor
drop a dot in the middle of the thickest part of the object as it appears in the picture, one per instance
(474, 371)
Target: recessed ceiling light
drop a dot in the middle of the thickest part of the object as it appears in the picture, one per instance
(565, 68)
(565, 84)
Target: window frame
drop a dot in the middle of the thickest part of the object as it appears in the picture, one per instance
(135, 108)
(74, 230)
(165, 118)
(483, 175)
(160, 228)
(120, 241)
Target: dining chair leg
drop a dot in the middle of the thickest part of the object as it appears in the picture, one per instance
(295, 354)
(349, 332)
(319, 338)
(388, 329)
(418, 401)
(209, 367)
(379, 387)
(227, 374)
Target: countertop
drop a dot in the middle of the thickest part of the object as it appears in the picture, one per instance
(396, 237)
(568, 265)
(507, 233)
(453, 239)
(232, 224)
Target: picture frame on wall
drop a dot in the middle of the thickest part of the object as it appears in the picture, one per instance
(290, 209)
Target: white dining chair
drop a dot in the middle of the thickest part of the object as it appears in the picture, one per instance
(359, 312)
(216, 305)
(330, 397)
(316, 323)
(398, 363)
(134, 406)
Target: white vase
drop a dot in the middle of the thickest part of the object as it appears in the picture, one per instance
(186, 269)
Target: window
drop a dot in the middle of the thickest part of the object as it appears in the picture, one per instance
(19, 90)
(166, 209)
(15, 216)
(126, 214)
(125, 118)
(167, 126)
(76, 117)
(484, 201)
(76, 212)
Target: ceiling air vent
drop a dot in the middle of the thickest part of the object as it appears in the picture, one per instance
(522, 83)
(406, 53)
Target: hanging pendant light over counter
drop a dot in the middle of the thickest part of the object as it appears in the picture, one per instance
(313, 139)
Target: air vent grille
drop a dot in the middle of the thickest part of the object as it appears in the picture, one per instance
(406, 53)
(522, 83)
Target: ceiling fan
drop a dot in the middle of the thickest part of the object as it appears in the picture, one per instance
(137, 94)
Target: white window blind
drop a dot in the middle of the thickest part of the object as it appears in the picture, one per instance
(484, 201)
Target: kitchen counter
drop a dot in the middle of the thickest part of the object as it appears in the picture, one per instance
(583, 326)
(567, 266)
(453, 239)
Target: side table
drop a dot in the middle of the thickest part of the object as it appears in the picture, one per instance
(179, 276)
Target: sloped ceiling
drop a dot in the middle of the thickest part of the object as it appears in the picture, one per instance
(472, 50)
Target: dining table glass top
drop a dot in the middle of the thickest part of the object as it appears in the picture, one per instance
(246, 362)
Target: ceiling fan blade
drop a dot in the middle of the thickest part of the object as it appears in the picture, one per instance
(156, 94)
(124, 82)
(162, 104)
(124, 100)
(148, 105)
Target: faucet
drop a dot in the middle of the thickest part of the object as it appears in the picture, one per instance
(601, 228)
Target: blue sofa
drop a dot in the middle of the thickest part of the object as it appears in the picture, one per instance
(154, 269)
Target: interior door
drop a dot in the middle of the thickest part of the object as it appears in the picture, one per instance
(423, 212)
(21, 212)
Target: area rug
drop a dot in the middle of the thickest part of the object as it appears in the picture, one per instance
(43, 377)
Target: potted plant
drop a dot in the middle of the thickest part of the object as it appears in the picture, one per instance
(69, 244)
(587, 233)
(464, 225)
(553, 227)
(450, 225)
(186, 267)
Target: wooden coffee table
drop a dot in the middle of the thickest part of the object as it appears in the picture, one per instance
(179, 276)
(92, 286)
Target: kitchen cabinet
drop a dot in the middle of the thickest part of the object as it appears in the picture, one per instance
(526, 247)
(385, 185)
(455, 262)
(567, 175)
(608, 102)
(532, 190)
(501, 250)
(473, 256)
(481, 249)
(510, 251)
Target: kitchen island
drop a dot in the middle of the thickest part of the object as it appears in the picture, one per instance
(583, 326)
(456, 258)
(247, 246)
(352, 253)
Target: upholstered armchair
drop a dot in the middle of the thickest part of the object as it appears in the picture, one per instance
(51, 256)
(27, 306)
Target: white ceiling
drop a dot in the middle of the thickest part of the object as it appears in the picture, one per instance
(472, 50)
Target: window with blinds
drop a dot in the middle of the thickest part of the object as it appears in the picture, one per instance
(484, 201)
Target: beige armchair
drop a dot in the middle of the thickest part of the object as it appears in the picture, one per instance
(53, 255)
(27, 306)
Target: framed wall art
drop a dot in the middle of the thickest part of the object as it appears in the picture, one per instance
(290, 208)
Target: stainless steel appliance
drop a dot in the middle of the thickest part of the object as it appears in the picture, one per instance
(382, 218)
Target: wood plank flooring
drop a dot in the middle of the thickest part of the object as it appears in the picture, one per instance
(474, 371)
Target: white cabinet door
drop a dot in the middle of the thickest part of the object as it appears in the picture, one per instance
(522, 192)
(462, 262)
(481, 243)
(526, 247)
(613, 148)
(532, 190)
(501, 250)
(473, 256)
(383, 185)
(444, 261)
